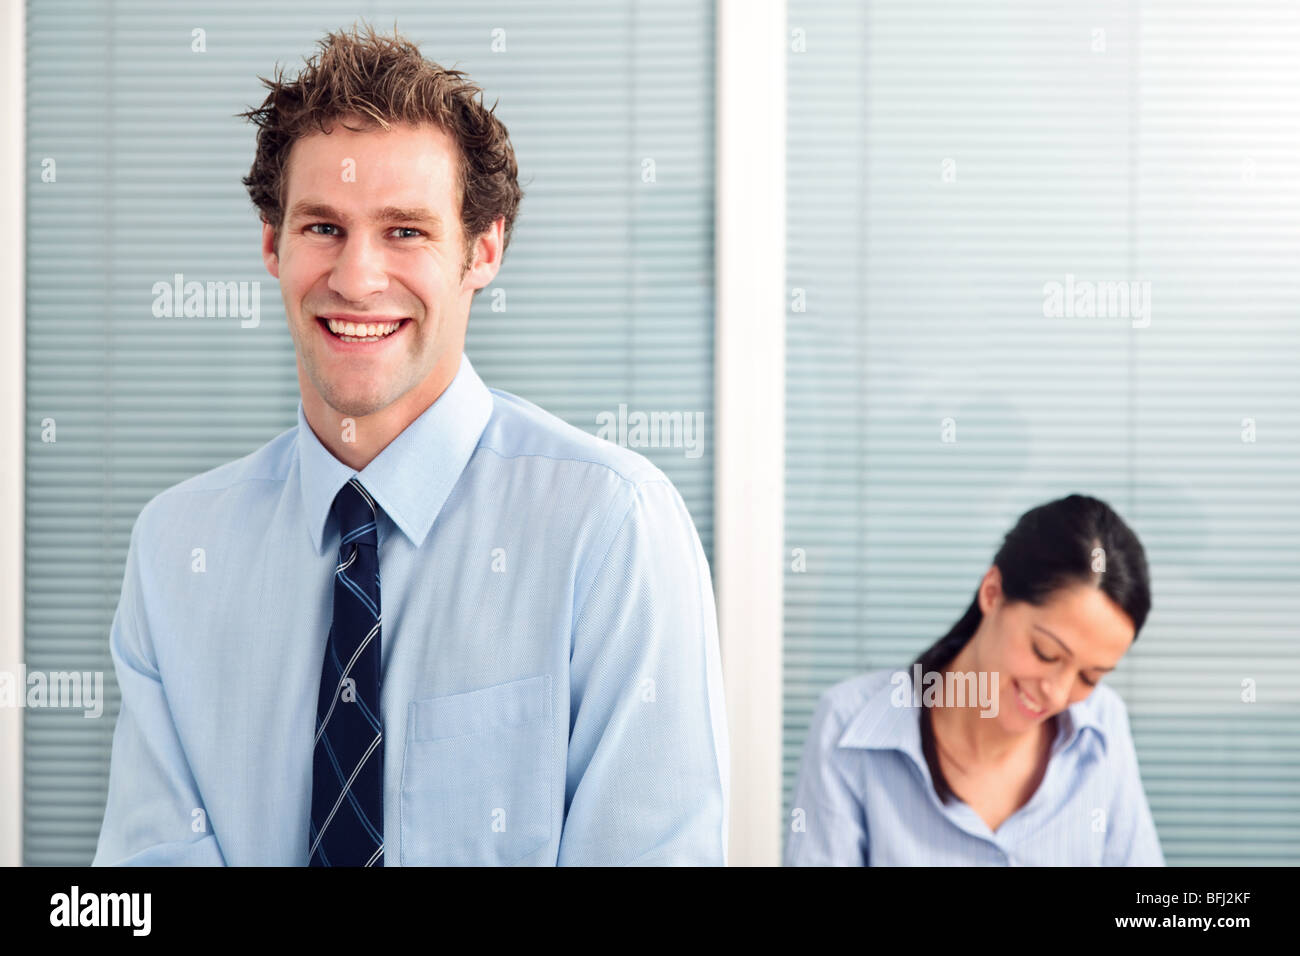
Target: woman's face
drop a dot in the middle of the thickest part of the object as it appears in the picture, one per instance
(1047, 657)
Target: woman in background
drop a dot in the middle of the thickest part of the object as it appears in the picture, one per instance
(1039, 771)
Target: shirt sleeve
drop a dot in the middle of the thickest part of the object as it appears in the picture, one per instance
(150, 817)
(648, 762)
(1131, 838)
(827, 824)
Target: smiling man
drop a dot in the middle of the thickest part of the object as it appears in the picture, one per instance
(430, 624)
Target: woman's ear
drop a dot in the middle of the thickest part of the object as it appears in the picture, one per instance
(990, 595)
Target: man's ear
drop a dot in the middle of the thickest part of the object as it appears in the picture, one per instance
(269, 255)
(487, 256)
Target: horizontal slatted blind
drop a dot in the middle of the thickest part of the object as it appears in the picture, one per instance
(1164, 148)
(608, 282)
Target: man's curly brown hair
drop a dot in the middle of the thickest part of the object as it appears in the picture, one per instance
(384, 80)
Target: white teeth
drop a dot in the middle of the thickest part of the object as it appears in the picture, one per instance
(366, 331)
(1028, 705)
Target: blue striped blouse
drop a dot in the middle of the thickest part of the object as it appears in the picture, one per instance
(864, 795)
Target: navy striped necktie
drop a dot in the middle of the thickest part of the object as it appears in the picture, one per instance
(347, 793)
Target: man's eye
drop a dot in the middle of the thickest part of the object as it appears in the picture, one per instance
(407, 229)
(321, 225)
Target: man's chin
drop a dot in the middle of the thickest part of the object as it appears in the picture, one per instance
(358, 407)
(353, 402)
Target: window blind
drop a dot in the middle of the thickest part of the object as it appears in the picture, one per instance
(604, 300)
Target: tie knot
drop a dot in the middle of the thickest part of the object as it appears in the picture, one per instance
(356, 512)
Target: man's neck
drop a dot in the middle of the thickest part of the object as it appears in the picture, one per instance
(356, 441)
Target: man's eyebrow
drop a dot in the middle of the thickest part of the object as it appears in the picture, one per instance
(407, 214)
(307, 209)
(1067, 648)
(304, 209)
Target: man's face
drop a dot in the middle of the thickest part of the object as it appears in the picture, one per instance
(371, 234)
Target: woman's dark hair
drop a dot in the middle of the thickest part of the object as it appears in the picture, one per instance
(1052, 546)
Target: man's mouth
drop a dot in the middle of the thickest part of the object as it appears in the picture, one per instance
(358, 332)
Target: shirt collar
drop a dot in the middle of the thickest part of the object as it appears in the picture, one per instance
(882, 724)
(413, 475)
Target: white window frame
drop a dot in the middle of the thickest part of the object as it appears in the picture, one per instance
(13, 415)
(749, 375)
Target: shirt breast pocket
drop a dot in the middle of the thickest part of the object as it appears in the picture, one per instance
(476, 776)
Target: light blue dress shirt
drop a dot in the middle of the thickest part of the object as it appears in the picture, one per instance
(552, 689)
(865, 796)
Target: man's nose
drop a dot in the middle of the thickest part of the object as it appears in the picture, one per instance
(359, 270)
